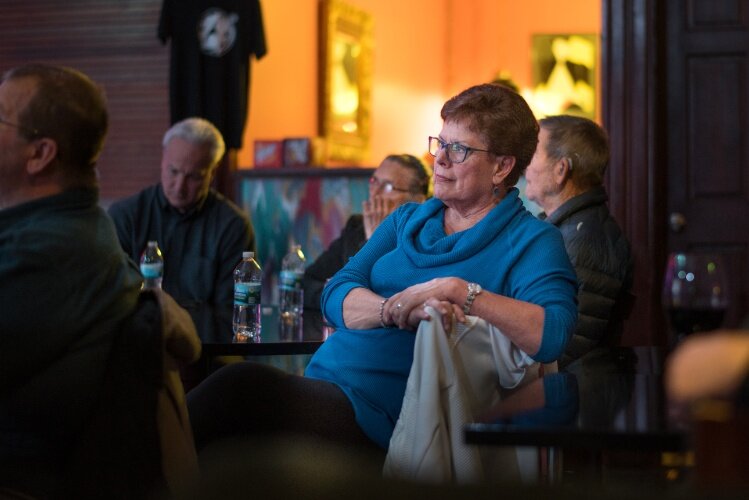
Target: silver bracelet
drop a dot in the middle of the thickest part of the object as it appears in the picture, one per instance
(382, 310)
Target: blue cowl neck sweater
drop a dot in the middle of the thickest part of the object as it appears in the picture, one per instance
(508, 252)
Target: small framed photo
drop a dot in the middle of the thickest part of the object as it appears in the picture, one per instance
(268, 154)
(297, 152)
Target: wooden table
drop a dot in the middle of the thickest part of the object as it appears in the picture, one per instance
(214, 327)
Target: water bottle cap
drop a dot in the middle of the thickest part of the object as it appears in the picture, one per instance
(153, 243)
(248, 255)
(297, 249)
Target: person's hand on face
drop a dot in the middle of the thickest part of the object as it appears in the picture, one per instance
(389, 187)
(375, 210)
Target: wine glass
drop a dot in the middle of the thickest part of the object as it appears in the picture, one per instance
(694, 293)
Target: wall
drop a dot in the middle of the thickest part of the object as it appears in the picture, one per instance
(408, 85)
(504, 29)
(424, 54)
(115, 43)
(425, 51)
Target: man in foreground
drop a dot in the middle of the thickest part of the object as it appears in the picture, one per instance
(66, 286)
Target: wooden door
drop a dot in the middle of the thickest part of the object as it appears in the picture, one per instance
(707, 135)
(631, 83)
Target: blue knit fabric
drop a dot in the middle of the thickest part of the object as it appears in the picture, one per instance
(508, 252)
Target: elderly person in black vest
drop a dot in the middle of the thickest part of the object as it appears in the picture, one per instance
(565, 178)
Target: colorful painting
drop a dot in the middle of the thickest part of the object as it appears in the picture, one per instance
(309, 210)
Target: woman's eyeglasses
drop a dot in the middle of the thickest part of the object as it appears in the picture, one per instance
(456, 153)
(384, 186)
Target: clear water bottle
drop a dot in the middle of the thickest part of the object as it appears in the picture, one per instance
(291, 294)
(247, 313)
(152, 265)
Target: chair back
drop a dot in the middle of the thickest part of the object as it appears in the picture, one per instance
(119, 454)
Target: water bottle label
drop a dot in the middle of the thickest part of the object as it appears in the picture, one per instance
(246, 294)
(152, 271)
(289, 280)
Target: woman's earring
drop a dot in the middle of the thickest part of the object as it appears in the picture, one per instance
(495, 191)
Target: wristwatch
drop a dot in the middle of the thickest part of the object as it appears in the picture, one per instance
(473, 290)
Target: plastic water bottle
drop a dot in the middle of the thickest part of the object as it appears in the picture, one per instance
(247, 313)
(291, 294)
(152, 265)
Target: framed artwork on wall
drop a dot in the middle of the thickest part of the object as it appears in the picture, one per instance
(564, 74)
(309, 208)
(268, 154)
(297, 152)
(346, 44)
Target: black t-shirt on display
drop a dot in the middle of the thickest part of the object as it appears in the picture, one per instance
(211, 45)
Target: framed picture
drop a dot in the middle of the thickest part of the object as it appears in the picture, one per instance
(345, 80)
(268, 154)
(297, 152)
(564, 74)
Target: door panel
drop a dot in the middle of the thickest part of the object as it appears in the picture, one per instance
(714, 125)
(707, 151)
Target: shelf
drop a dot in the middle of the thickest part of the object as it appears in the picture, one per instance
(305, 172)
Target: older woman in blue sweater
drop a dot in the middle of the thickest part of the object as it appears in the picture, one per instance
(472, 249)
(475, 231)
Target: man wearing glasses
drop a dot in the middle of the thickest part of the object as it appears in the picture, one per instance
(398, 179)
(201, 234)
(66, 286)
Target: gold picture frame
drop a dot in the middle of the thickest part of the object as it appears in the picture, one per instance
(564, 73)
(346, 46)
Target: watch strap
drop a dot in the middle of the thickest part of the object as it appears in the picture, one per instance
(473, 290)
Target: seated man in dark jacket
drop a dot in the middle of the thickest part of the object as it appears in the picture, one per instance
(565, 178)
(201, 233)
(66, 286)
(398, 179)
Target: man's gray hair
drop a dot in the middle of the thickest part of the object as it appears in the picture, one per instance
(198, 131)
(583, 143)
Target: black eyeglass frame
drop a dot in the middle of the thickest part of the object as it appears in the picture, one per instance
(30, 131)
(454, 147)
